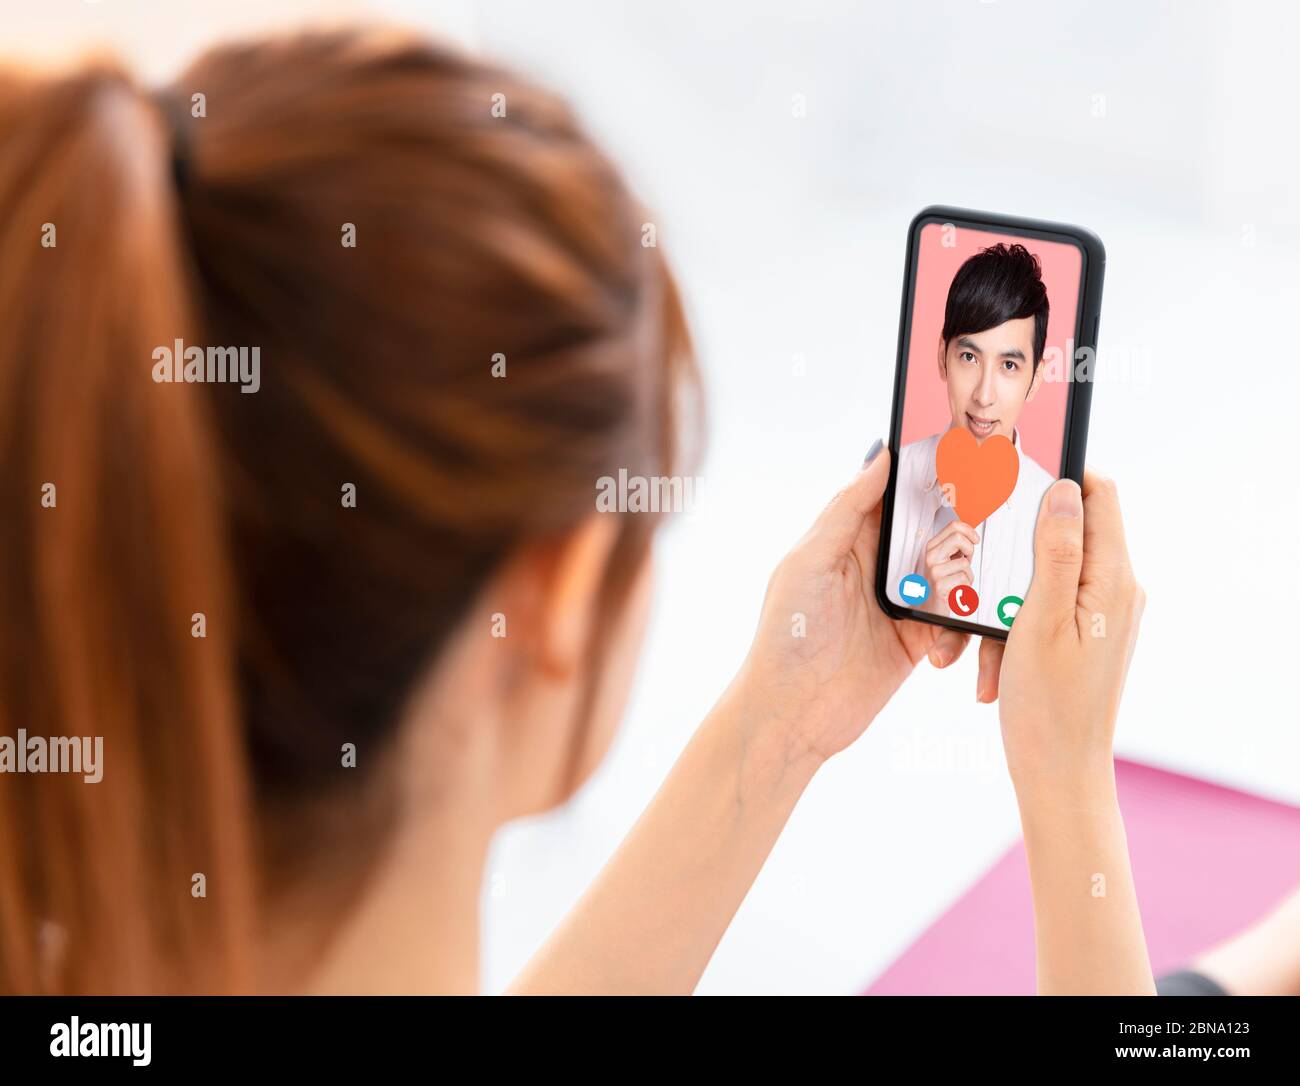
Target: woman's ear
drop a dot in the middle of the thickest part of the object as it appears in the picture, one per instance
(569, 576)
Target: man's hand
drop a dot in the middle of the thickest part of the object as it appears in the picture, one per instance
(946, 563)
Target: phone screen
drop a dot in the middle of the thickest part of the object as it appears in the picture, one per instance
(988, 360)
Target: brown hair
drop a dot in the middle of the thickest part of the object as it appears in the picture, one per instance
(219, 220)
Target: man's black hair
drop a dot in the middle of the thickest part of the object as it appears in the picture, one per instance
(998, 284)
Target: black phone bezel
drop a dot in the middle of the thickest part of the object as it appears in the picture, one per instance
(1078, 404)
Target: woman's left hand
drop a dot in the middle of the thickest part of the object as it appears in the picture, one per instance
(824, 661)
(826, 658)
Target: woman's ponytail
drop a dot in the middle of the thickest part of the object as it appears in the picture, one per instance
(124, 857)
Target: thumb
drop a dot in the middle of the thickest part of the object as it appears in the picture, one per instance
(1058, 554)
(840, 523)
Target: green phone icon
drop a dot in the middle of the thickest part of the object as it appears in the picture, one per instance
(1008, 608)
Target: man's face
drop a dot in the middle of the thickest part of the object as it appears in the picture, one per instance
(990, 377)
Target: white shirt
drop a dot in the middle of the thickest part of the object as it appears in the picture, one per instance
(1003, 562)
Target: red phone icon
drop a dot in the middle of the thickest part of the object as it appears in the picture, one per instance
(963, 600)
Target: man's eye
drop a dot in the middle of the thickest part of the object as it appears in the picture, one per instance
(1011, 364)
(967, 356)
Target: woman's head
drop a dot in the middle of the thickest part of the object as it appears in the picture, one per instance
(293, 614)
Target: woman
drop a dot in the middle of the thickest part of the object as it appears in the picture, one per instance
(335, 631)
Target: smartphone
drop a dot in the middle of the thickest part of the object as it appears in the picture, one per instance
(997, 346)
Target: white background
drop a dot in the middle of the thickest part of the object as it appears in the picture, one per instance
(1169, 129)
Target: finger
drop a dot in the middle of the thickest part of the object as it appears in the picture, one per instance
(947, 647)
(951, 569)
(956, 543)
(1105, 553)
(958, 531)
(1058, 557)
(986, 684)
(838, 527)
(939, 540)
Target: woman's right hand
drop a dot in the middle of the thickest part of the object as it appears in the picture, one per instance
(1068, 651)
(1062, 672)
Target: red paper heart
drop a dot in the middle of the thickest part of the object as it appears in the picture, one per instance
(978, 479)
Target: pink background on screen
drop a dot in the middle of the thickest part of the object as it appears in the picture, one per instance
(925, 407)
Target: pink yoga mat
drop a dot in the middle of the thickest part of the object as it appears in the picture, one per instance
(1207, 861)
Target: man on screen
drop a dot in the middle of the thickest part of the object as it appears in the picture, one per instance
(990, 355)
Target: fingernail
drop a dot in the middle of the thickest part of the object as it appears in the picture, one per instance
(1066, 500)
(873, 452)
(941, 657)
